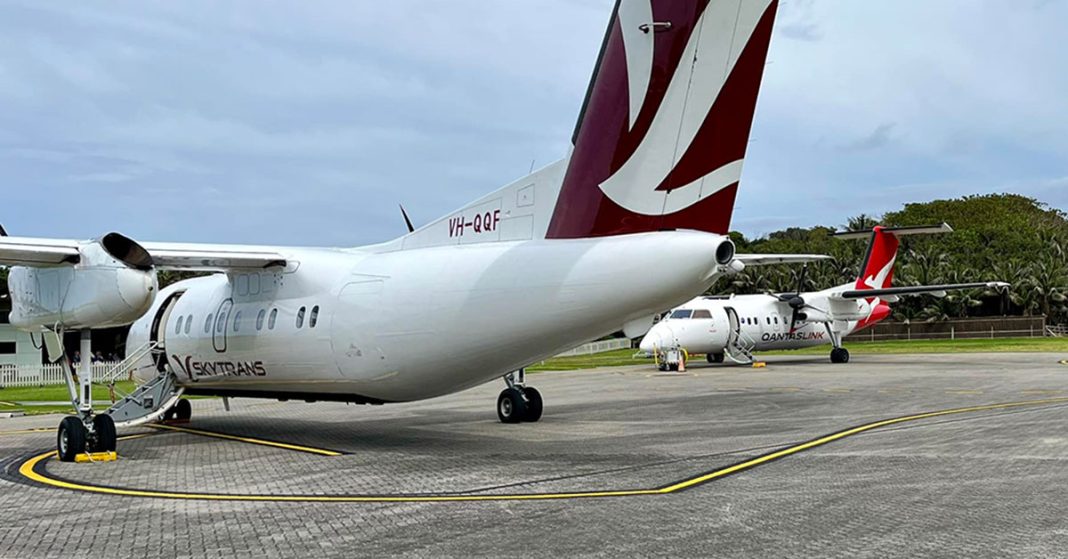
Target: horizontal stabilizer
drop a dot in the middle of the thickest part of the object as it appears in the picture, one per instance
(896, 231)
(769, 259)
(917, 290)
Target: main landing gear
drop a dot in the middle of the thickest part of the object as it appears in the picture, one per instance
(839, 354)
(518, 403)
(84, 431)
(714, 357)
(180, 413)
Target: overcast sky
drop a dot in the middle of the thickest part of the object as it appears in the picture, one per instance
(308, 122)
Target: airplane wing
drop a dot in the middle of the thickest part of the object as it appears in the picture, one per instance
(28, 251)
(211, 258)
(769, 259)
(25, 251)
(937, 290)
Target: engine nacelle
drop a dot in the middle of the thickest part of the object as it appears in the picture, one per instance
(112, 284)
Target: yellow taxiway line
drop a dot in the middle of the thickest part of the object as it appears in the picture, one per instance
(33, 469)
(250, 440)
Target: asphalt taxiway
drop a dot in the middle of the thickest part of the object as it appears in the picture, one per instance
(947, 455)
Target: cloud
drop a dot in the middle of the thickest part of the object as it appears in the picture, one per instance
(879, 138)
(275, 123)
(801, 31)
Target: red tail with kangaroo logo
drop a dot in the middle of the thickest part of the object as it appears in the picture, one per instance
(665, 126)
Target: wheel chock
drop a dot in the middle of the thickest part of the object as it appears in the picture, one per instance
(109, 456)
(759, 364)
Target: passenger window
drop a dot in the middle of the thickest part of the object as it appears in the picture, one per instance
(300, 317)
(314, 318)
(178, 327)
(769, 320)
(237, 321)
(702, 314)
(220, 323)
(188, 324)
(270, 321)
(259, 319)
(776, 320)
(207, 323)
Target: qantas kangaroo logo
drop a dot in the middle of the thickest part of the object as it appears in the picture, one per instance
(707, 61)
(878, 281)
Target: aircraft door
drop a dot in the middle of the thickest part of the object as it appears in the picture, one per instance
(218, 332)
(158, 332)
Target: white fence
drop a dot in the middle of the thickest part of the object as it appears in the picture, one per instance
(12, 376)
(598, 347)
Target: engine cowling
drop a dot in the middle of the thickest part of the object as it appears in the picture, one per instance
(112, 284)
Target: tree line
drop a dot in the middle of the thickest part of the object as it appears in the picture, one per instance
(997, 237)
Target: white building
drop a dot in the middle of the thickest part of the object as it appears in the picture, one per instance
(16, 347)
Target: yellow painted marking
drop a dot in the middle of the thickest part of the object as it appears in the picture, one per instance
(847, 433)
(838, 390)
(109, 456)
(27, 470)
(12, 404)
(759, 364)
(250, 440)
(1041, 392)
(965, 392)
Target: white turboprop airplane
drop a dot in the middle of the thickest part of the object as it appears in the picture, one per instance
(735, 326)
(554, 259)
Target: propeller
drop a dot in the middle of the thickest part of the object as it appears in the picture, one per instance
(795, 300)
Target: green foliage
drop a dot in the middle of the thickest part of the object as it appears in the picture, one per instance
(998, 237)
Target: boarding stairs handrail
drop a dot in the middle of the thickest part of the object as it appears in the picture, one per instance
(742, 344)
(126, 365)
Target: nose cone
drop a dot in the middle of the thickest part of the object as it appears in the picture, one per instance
(652, 340)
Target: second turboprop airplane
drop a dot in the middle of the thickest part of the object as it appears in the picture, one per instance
(554, 259)
(735, 326)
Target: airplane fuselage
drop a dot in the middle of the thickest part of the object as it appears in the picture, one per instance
(370, 326)
(702, 325)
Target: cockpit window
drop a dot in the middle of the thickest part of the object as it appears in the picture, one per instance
(681, 313)
(702, 313)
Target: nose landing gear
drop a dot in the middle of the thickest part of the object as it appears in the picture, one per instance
(518, 403)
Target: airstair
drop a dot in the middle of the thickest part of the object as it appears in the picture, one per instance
(149, 401)
(739, 344)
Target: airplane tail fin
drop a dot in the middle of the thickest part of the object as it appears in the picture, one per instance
(877, 271)
(662, 134)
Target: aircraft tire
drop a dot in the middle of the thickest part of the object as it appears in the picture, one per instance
(70, 438)
(839, 355)
(183, 410)
(511, 407)
(105, 439)
(714, 357)
(534, 404)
